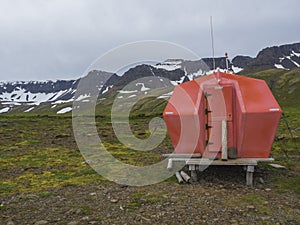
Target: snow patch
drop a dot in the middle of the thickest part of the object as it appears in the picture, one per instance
(199, 73)
(143, 88)
(64, 110)
(168, 67)
(106, 89)
(174, 83)
(63, 101)
(127, 92)
(214, 71)
(152, 71)
(297, 64)
(296, 53)
(236, 69)
(4, 110)
(289, 57)
(279, 66)
(131, 96)
(28, 110)
(11, 103)
(20, 95)
(173, 62)
(191, 77)
(167, 95)
(81, 97)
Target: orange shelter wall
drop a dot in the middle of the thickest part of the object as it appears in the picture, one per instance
(255, 112)
(185, 120)
(258, 134)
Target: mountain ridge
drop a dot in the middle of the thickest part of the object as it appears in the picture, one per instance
(32, 94)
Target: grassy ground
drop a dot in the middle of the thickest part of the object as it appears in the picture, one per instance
(37, 153)
(41, 165)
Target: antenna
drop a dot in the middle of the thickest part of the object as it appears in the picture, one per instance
(227, 63)
(212, 41)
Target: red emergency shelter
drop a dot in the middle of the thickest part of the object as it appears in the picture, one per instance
(219, 108)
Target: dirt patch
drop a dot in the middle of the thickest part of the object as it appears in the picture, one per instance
(165, 203)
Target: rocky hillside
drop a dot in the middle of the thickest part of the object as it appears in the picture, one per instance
(24, 97)
(282, 57)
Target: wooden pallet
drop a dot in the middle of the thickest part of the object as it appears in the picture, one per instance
(196, 163)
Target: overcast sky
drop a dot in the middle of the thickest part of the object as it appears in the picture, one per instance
(58, 39)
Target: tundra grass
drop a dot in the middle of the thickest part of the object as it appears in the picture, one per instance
(38, 153)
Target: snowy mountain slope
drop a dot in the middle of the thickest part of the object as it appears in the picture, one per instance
(59, 95)
(198, 67)
(282, 57)
(35, 93)
(31, 96)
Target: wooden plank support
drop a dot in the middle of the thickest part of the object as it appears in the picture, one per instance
(194, 175)
(183, 156)
(170, 164)
(249, 176)
(186, 177)
(199, 164)
(179, 178)
(229, 162)
(224, 141)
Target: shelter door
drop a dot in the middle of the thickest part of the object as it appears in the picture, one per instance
(218, 107)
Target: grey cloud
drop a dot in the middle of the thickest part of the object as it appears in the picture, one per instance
(58, 39)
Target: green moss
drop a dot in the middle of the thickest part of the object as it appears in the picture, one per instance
(141, 198)
(5, 158)
(86, 210)
(62, 177)
(286, 184)
(97, 218)
(134, 205)
(85, 171)
(253, 198)
(172, 179)
(45, 194)
(153, 199)
(258, 202)
(3, 207)
(137, 195)
(7, 187)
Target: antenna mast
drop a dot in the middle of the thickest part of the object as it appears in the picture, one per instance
(212, 42)
(227, 62)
